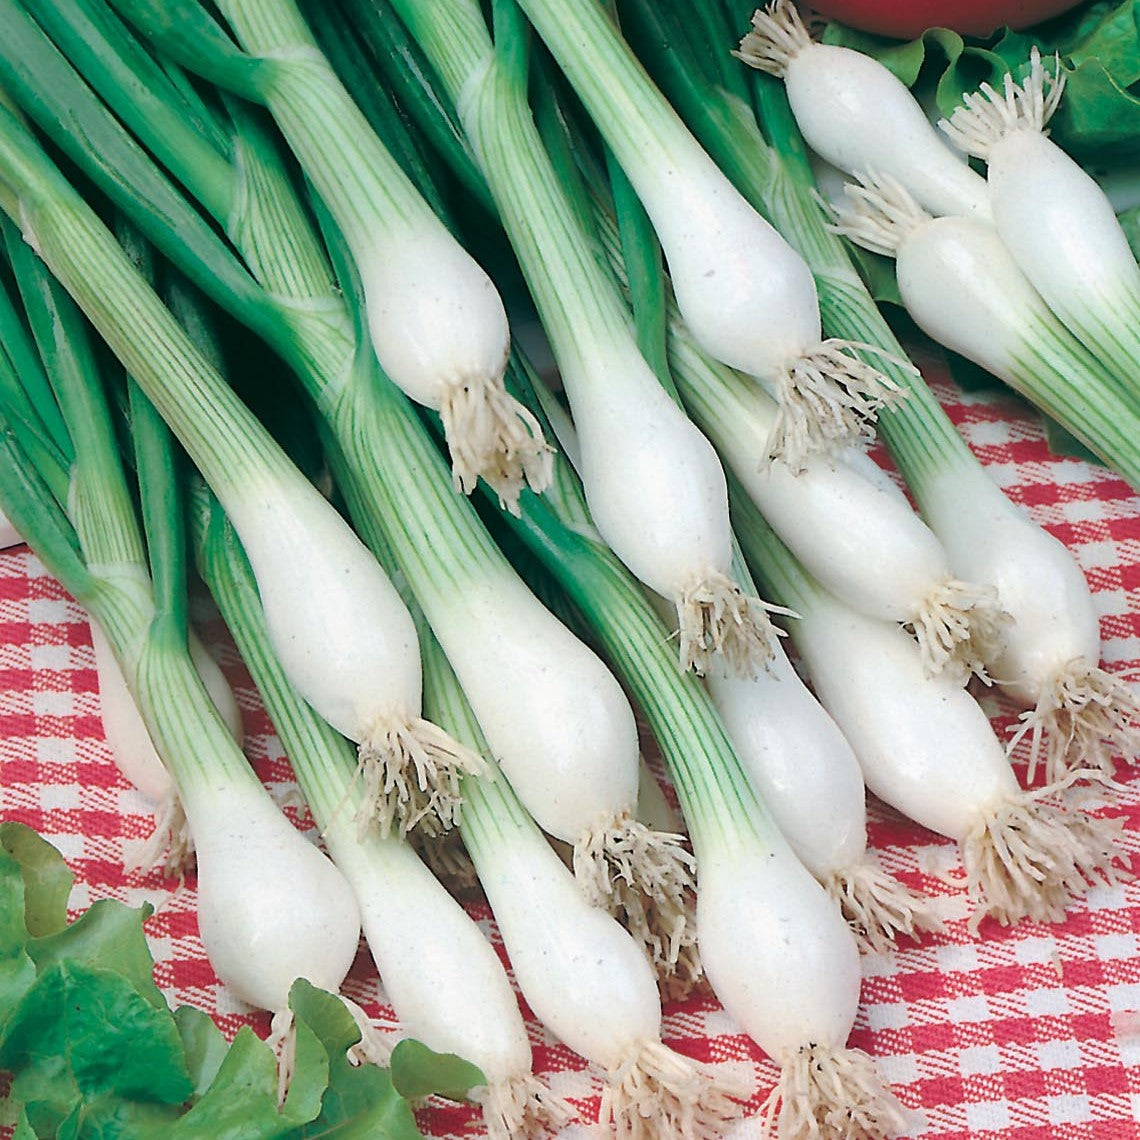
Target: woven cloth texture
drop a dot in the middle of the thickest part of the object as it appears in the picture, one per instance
(1026, 1033)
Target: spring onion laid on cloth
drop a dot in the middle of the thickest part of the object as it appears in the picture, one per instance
(657, 495)
(926, 447)
(271, 907)
(561, 726)
(584, 976)
(747, 295)
(437, 322)
(855, 113)
(955, 622)
(927, 748)
(409, 763)
(402, 505)
(439, 971)
(135, 755)
(798, 760)
(24, 366)
(1057, 223)
(810, 780)
(775, 947)
(960, 284)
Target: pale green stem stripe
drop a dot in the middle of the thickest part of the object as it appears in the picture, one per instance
(267, 224)
(361, 183)
(453, 35)
(579, 304)
(640, 126)
(224, 439)
(404, 482)
(187, 730)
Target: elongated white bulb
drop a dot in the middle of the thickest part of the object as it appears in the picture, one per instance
(342, 632)
(857, 114)
(271, 907)
(555, 717)
(435, 316)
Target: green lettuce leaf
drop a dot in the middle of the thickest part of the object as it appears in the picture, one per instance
(90, 1050)
(417, 1072)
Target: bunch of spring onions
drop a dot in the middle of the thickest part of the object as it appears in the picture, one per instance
(645, 194)
(1077, 714)
(271, 906)
(288, 291)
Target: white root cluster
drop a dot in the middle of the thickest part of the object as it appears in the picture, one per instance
(987, 116)
(374, 1047)
(1029, 856)
(778, 35)
(521, 1108)
(410, 773)
(831, 1092)
(644, 878)
(879, 908)
(716, 619)
(828, 398)
(446, 857)
(1086, 719)
(171, 844)
(656, 1093)
(492, 436)
(879, 214)
(959, 628)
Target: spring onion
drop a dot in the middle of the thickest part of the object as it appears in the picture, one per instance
(272, 908)
(929, 452)
(584, 976)
(1057, 223)
(417, 278)
(341, 629)
(440, 973)
(775, 948)
(956, 622)
(748, 297)
(855, 113)
(927, 748)
(658, 494)
(961, 285)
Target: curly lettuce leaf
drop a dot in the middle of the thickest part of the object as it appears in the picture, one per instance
(90, 1049)
(364, 1101)
(46, 879)
(417, 1072)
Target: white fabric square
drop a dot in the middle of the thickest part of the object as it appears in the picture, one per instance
(979, 1060)
(1059, 1055)
(1071, 1109)
(987, 1114)
(1043, 1003)
(973, 1008)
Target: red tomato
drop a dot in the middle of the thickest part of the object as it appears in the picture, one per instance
(906, 19)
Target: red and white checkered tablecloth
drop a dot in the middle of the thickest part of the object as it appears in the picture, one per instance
(1031, 1033)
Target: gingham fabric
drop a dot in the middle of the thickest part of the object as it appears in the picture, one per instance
(1030, 1033)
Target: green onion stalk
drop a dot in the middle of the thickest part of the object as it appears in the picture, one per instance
(657, 494)
(796, 999)
(440, 544)
(271, 907)
(436, 320)
(1077, 713)
(441, 974)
